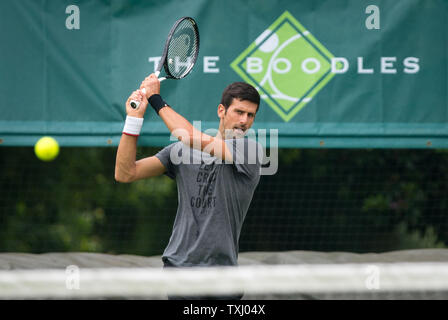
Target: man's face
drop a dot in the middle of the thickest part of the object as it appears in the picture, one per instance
(238, 118)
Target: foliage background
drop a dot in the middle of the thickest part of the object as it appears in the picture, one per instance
(320, 199)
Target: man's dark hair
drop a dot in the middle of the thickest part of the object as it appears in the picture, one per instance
(241, 91)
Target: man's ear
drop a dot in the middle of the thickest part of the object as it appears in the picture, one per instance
(221, 111)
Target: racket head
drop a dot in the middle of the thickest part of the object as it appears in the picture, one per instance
(181, 49)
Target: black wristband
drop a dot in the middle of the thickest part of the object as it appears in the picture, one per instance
(156, 102)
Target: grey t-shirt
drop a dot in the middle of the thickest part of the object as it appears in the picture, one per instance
(213, 199)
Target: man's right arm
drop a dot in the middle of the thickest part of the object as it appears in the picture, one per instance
(127, 169)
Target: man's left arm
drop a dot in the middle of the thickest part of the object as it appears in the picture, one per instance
(182, 129)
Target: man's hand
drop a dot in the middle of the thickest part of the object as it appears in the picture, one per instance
(151, 85)
(140, 111)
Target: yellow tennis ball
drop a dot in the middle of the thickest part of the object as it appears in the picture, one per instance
(46, 149)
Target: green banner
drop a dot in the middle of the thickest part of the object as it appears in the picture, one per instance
(331, 74)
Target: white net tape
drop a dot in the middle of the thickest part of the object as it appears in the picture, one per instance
(74, 282)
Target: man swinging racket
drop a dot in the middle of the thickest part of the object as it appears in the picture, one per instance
(216, 176)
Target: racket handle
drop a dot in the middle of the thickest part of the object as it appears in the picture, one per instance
(134, 103)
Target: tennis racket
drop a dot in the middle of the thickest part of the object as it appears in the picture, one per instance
(180, 52)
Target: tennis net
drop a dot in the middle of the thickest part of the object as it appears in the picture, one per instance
(307, 281)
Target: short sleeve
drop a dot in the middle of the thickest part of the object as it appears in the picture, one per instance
(247, 155)
(164, 156)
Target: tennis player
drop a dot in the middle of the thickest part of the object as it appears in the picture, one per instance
(216, 175)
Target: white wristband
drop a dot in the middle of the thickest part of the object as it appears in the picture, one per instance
(132, 126)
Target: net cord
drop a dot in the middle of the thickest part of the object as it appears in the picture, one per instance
(154, 282)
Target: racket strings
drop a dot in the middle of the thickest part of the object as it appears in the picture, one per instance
(182, 49)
